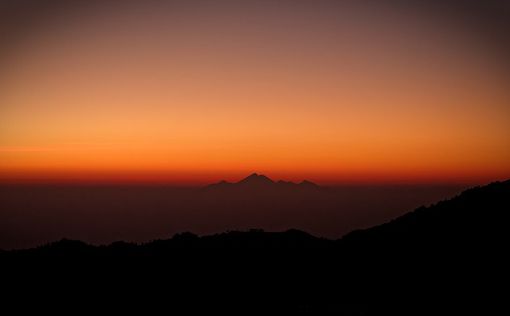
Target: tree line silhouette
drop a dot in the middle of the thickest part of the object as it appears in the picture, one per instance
(448, 257)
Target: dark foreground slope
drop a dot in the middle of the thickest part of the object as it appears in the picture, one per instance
(473, 221)
(449, 257)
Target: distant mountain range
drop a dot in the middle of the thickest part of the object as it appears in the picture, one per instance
(261, 182)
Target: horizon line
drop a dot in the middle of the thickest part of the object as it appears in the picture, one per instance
(77, 181)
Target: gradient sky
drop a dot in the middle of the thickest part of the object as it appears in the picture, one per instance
(194, 93)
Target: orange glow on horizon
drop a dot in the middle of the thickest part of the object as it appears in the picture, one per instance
(93, 99)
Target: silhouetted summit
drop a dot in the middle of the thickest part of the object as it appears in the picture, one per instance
(256, 179)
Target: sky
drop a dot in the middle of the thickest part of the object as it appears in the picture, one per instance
(193, 92)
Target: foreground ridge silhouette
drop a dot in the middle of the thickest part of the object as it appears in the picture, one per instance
(465, 220)
(448, 257)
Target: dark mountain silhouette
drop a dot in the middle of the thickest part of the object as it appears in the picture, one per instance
(34, 214)
(473, 220)
(445, 258)
(475, 215)
(259, 182)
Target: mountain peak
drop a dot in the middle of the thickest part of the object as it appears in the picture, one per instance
(308, 183)
(255, 178)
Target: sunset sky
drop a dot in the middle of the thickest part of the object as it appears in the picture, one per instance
(191, 94)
